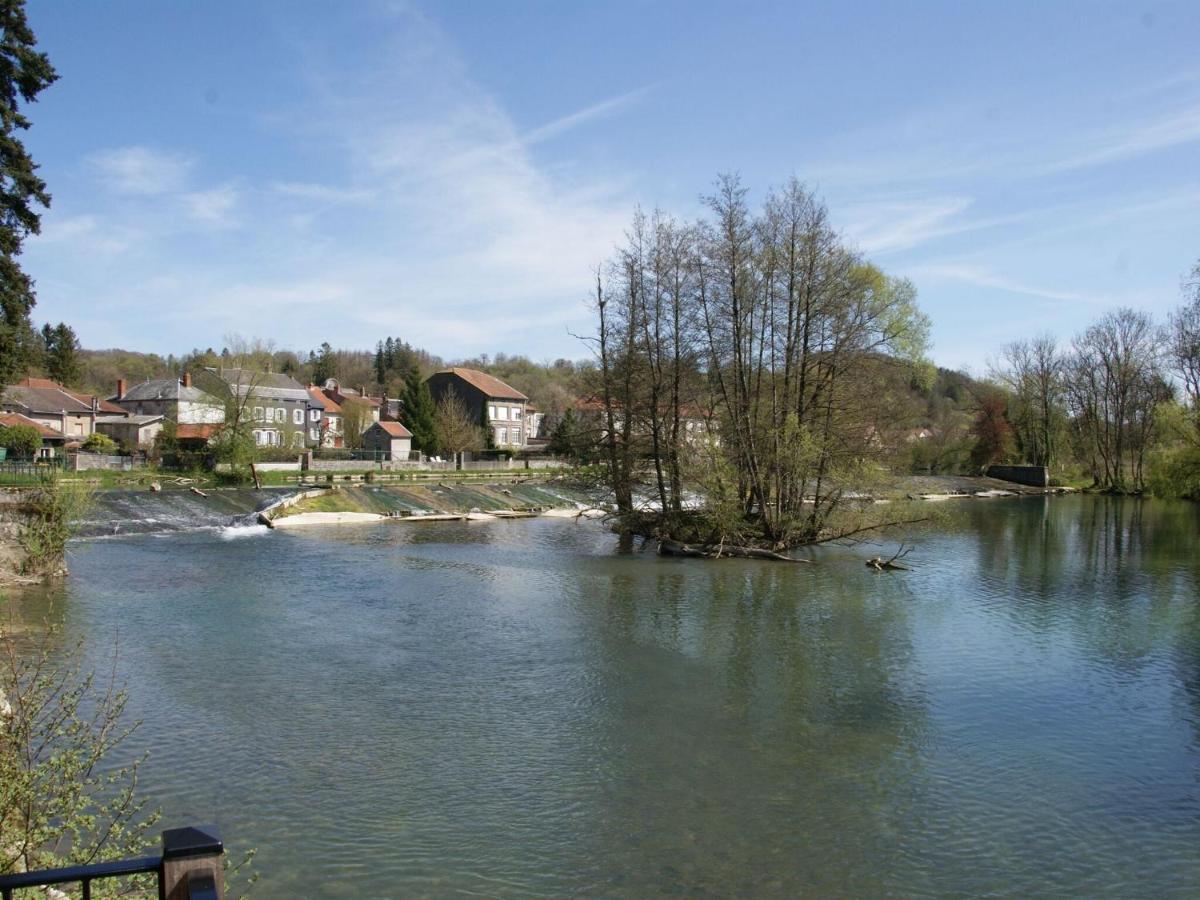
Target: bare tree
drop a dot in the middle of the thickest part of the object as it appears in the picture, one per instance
(1183, 342)
(457, 430)
(1032, 371)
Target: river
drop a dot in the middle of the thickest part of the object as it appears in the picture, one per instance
(518, 708)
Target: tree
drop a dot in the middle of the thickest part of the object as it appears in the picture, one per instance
(356, 418)
(24, 73)
(1032, 371)
(381, 367)
(21, 441)
(419, 413)
(566, 438)
(457, 431)
(61, 353)
(1183, 342)
(323, 365)
(1114, 385)
(992, 431)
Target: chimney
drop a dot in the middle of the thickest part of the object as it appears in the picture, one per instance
(187, 379)
(120, 388)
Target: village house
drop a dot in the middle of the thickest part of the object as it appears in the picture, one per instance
(172, 398)
(279, 408)
(50, 404)
(326, 430)
(495, 405)
(132, 432)
(391, 438)
(53, 440)
(343, 395)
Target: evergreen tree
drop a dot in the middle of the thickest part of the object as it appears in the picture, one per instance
(323, 364)
(24, 73)
(389, 356)
(564, 441)
(62, 353)
(419, 413)
(381, 367)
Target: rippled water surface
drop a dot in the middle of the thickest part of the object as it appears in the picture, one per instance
(518, 708)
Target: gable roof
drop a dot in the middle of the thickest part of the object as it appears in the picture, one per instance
(50, 434)
(44, 397)
(268, 385)
(489, 384)
(395, 429)
(85, 399)
(165, 389)
(323, 400)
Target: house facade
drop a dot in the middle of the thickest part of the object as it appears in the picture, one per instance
(172, 398)
(279, 409)
(326, 430)
(497, 406)
(391, 438)
(52, 439)
(50, 404)
(134, 432)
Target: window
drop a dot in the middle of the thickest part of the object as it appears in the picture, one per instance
(492, 413)
(516, 414)
(297, 416)
(314, 415)
(298, 437)
(280, 414)
(516, 435)
(503, 410)
(501, 435)
(258, 414)
(314, 434)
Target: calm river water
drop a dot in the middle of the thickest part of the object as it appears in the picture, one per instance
(518, 708)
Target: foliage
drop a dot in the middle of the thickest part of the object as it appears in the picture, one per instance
(100, 443)
(994, 440)
(24, 73)
(324, 366)
(22, 441)
(356, 418)
(166, 442)
(567, 437)
(52, 507)
(457, 431)
(61, 802)
(61, 349)
(419, 412)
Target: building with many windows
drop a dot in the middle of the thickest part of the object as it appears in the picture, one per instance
(497, 406)
(280, 409)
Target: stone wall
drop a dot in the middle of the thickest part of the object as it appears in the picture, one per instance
(1035, 476)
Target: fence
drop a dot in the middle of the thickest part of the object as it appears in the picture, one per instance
(189, 868)
(29, 471)
(86, 462)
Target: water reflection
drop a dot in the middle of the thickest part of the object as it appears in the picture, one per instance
(528, 707)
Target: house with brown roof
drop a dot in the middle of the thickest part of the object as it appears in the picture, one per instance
(497, 406)
(327, 430)
(391, 438)
(52, 405)
(52, 439)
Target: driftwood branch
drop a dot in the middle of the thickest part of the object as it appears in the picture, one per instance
(719, 551)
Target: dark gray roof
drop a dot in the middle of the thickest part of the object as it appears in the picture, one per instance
(165, 389)
(268, 385)
(42, 400)
(128, 420)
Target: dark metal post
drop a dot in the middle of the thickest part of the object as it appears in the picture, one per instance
(192, 865)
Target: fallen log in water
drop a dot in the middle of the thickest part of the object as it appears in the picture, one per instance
(885, 565)
(719, 551)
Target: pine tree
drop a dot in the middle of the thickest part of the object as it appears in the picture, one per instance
(323, 364)
(381, 367)
(389, 355)
(419, 413)
(62, 353)
(564, 441)
(24, 73)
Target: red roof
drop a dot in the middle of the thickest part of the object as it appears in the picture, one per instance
(395, 429)
(10, 419)
(325, 398)
(489, 384)
(195, 432)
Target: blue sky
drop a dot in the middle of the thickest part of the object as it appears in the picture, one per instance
(451, 173)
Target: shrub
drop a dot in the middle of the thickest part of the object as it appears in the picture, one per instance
(100, 443)
(22, 441)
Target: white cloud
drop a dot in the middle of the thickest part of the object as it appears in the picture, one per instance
(981, 276)
(141, 170)
(879, 227)
(323, 193)
(213, 207)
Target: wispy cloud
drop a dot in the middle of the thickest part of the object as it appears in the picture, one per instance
(1171, 130)
(141, 170)
(214, 207)
(588, 114)
(322, 193)
(981, 276)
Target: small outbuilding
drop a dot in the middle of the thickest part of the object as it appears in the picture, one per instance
(391, 438)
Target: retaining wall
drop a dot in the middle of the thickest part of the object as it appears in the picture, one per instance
(1034, 476)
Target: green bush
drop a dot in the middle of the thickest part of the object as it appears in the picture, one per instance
(22, 441)
(100, 443)
(1174, 472)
